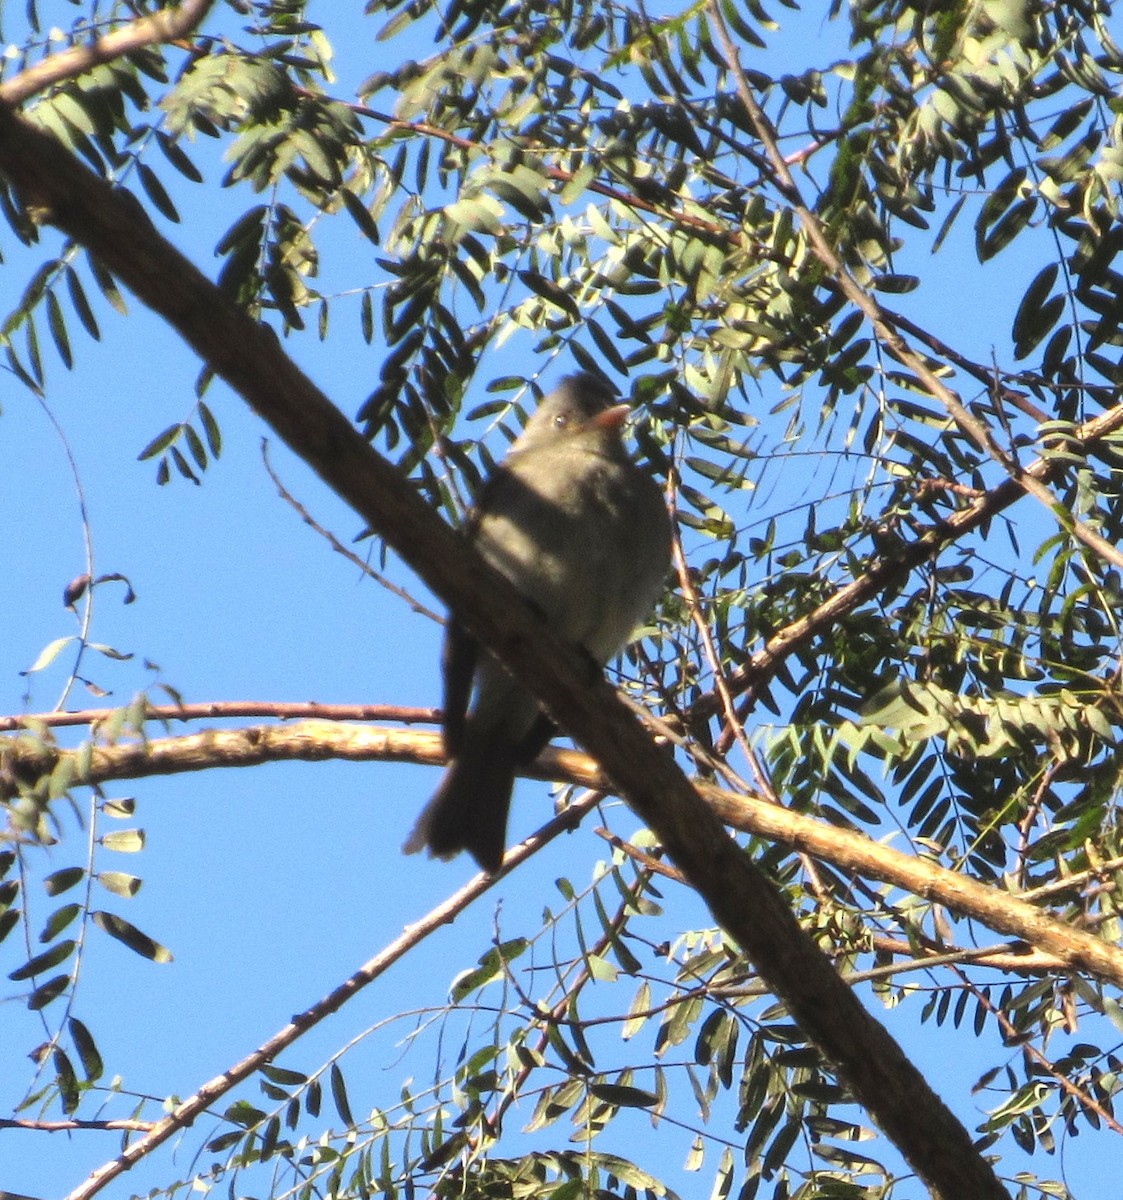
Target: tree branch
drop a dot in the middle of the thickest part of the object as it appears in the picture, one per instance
(188, 1110)
(282, 710)
(249, 358)
(854, 853)
(968, 423)
(160, 27)
(124, 1124)
(886, 570)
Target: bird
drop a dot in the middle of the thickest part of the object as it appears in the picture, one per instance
(584, 533)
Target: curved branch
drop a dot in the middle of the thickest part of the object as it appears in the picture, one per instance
(316, 741)
(160, 27)
(1001, 912)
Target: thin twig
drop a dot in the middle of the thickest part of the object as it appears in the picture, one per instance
(446, 912)
(122, 1123)
(1071, 882)
(339, 547)
(283, 710)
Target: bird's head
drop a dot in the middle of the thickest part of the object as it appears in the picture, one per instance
(581, 408)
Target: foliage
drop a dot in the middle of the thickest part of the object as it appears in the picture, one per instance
(585, 182)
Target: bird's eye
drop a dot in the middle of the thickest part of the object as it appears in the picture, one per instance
(561, 420)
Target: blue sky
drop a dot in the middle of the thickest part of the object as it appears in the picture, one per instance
(270, 885)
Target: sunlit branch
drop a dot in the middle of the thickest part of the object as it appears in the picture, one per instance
(165, 25)
(853, 852)
(849, 851)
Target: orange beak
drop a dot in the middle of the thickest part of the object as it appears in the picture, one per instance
(611, 418)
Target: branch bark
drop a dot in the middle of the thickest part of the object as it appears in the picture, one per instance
(249, 358)
(281, 710)
(166, 25)
(318, 740)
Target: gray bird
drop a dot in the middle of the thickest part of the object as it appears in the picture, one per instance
(583, 532)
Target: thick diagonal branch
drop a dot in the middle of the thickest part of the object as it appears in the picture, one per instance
(249, 358)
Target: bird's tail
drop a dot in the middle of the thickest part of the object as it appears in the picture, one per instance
(469, 809)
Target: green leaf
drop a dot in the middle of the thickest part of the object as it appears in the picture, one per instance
(606, 345)
(224, 1142)
(339, 1096)
(1007, 229)
(211, 430)
(49, 653)
(242, 1113)
(56, 322)
(107, 285)
(67, 1081)
(44, 962)
(45, 993)
(1113, 1010)
(182, 465)
(88, 1053)
(9, 920)
(63, 880)
(360, 214)
(120, 808)
(195, 445)
(490, 966)
(283, 1075)
(550, 291)
(601, 969)
(623, 1096)
(176, 155)
(119, 883)
(1037, 314)
(58, 921)
(639, 1012)
(129, 935)
(160, 442)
